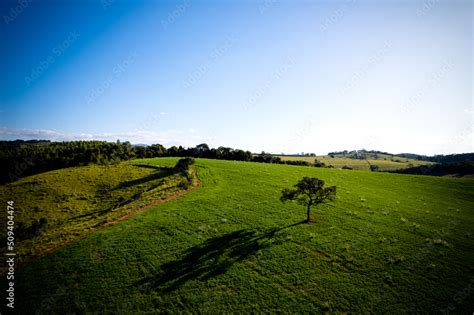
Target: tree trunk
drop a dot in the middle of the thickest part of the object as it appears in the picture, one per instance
(308, 216)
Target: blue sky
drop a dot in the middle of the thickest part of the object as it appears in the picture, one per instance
(273, 75)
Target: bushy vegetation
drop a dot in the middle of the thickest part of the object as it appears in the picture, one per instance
(300, 163)
(182, 166)
(34, 230)
(318, 163)
(443, 159)
(374, 168)
(452, 169)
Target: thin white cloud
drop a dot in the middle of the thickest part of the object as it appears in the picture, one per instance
(167, 138)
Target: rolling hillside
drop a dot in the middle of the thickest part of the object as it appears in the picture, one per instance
(390, 243)
(57, 207)
(384, 162)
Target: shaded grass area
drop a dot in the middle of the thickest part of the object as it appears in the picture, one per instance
(74, 201)
(389, 244)
(210, 259)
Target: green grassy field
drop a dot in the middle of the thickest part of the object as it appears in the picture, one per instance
(76, 201)
(385, 163)
(389, 244)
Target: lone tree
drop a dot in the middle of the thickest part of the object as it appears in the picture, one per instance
(309, 192)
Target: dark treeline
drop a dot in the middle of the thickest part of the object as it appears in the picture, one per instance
(451, 158)
(452, 169)
(22, 158)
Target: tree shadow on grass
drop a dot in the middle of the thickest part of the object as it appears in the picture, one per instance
(209, 259)
(161, 172)
(154, 167)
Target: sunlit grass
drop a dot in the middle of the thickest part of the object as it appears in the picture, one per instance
(389, 243)
(78, 200)
(385, 163)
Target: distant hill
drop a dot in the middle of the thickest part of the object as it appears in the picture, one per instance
(372, 161)
(367, 154)
(374, 154)
(458, 165)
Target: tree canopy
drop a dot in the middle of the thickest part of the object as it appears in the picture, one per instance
(309, 192)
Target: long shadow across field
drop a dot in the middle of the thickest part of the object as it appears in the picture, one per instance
(161, 172)
(209, 259)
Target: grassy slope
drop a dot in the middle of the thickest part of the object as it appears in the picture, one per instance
(340, 161)
(389, 243)
(78, 200)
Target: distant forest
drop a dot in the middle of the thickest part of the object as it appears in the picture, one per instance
(451, 158)
(22, 158)
(453, 169)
